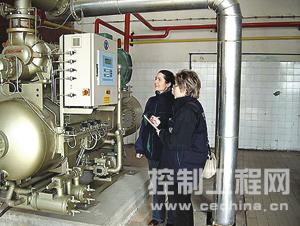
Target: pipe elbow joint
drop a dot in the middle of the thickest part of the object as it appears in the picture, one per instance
(225, 7)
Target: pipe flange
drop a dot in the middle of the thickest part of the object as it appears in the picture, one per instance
(60, 9)
(73, 12)
(20, 16)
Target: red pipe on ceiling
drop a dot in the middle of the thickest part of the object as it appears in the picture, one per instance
(98, 21)
(167, 29)
(272, 24)
(151, 36)
(214, 26)
(127, 32)
(117, 30)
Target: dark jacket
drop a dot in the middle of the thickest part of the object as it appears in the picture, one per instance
(185, 142)
(148, 143)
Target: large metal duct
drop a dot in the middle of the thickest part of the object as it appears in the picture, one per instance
(229, 71)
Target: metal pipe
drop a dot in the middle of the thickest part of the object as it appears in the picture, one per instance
(113, 28)
(50, 5)
(228, 103)
(109, 7)
(47, 5)
(23, 4)
(10, 191)
(119, 41)
(167, 29)
(110, 142)
(54, 25)
(145, 22)
(166, 34)
(102, 22)
(119, 110)
(127, 32)
(22, 191)
(257, 38)
(119, 132)
(251, 54)
(17, 202)
(271, 24)
(90, 8)
(229, 67)
(214, 26)
(119, 138)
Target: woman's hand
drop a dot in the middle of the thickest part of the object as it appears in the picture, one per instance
(157, 131)
(138, 155)
(155, 120)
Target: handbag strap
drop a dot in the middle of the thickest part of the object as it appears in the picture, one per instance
(209, 151)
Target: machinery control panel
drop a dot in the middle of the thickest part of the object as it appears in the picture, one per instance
(89, 71)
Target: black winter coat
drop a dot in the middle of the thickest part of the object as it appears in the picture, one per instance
(185, 142)
(148, 142)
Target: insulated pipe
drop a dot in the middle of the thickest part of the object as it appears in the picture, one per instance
(90, 8)
(228, 104)
(46, 5)
(113, 7)
(229, 68)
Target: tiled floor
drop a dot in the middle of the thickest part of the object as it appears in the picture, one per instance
(270, 160)
(260, 160)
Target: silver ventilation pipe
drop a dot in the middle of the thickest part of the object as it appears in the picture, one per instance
(47, 5)
(89, 8)
(229, 21)
(229, 71)
(94, 7)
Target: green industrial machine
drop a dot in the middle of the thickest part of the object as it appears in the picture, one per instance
(64, 110)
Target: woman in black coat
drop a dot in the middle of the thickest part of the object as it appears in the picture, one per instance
(185, 141)
(148, 143)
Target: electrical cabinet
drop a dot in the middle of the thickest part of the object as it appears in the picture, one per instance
(89, 71)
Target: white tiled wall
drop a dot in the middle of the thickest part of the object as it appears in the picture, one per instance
(266, 121)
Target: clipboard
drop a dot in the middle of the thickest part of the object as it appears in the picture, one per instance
(148, 120)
